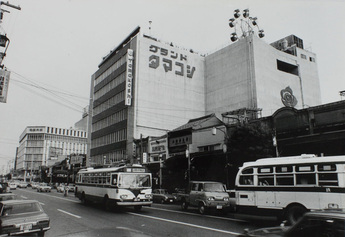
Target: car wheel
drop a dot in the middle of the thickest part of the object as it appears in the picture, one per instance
(184, 205)
(202, 208)
(294, 213)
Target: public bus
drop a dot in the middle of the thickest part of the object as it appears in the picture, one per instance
(115, 186)
(287, 187)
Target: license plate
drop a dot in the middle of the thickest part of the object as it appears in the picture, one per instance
(137, 199)
(26, 227)
(219, 207)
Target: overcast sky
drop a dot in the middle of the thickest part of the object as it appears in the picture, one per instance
(56, 45)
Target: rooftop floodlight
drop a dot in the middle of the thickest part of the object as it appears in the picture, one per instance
(246, 13)
(233, 37)
(254, 21)
(231, 22)
(237, 13)
(261, 33)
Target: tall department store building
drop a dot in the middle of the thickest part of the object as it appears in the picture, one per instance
(146, 87)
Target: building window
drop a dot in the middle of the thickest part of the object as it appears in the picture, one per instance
(311, 59)
(303, 56)
(287, 67)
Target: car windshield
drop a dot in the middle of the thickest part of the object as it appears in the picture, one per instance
(213, 187)
(134, 181)
(12, 209)
(7, 197)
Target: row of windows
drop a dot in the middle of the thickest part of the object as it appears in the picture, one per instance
(53, 138)
(120, 97)
(117, 136)
(34, 150)
(111, 85)
(322, 175)
(110, 120)
(67, 132)
(110, 157)
(35, 143)
(95, 178)
(35, 137)
(111, 69)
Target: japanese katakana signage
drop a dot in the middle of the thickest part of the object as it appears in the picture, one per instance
(170, 61)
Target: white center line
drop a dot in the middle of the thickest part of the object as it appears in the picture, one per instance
(76, 216)
(186, 224)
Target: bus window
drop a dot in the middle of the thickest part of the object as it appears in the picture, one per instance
(305, 179)
(246, 180)
(328, 179)
(266, 180)
(284, 179)
(114, 179)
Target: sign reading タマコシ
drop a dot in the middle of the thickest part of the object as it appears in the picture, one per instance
(170, 60)
(129, 77)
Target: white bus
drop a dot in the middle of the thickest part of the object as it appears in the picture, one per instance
(287, 187)
(116, 186)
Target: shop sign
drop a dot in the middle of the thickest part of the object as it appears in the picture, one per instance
(4, 80)
(170, 61)
(129, 77)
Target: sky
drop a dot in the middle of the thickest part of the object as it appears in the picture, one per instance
(56, 45)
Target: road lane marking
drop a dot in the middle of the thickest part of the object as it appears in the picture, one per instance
(68, 213)
(194, 214)
(24, 197)
(62, 198)
(186, 224)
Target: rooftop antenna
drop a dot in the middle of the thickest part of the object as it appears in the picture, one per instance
(342, 94)
(150, 22)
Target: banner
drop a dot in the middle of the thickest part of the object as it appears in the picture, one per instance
(129, 77)
(4, 80)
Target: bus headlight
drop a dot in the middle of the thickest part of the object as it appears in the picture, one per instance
(210, 199)
(148, 196)
(124, 196)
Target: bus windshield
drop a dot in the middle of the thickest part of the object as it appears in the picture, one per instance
(134, 181)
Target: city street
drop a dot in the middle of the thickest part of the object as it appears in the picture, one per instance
(70, 218)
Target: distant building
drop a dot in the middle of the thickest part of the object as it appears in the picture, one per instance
(39, 145)
(145, 87)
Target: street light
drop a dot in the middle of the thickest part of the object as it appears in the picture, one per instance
(225, 151)
(188, 157)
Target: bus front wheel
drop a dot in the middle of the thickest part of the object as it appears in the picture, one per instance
(294, 213)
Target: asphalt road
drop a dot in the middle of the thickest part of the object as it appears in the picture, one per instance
(70, 218)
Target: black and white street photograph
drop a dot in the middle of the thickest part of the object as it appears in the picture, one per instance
(148, 118)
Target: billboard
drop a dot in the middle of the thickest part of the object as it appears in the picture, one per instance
(4, 80)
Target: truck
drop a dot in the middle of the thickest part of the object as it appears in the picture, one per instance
(206, 196)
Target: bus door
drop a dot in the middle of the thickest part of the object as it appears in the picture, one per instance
(246, 197)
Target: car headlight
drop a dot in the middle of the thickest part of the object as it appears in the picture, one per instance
(210, 199)
(226, 199)
(123, 196)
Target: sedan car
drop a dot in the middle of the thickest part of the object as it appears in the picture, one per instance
(162, 196)
(12, 185)
(21, 217)
(43, 187)
(316, 223)
(8, 196)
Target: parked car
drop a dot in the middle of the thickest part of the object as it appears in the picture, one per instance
(60, 188)
(162, 196)
(316, 223)
(8, 196)
(21, 217)
(71, 187)
(22, 185)
(34, 185)
(12, 186)
(43, 187)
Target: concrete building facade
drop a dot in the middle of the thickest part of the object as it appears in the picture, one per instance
(145, 87)
(38, 145)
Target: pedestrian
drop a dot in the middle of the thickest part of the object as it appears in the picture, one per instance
(65, 193)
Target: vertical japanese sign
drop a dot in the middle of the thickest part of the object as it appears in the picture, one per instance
(4, 80)
(129, 77)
